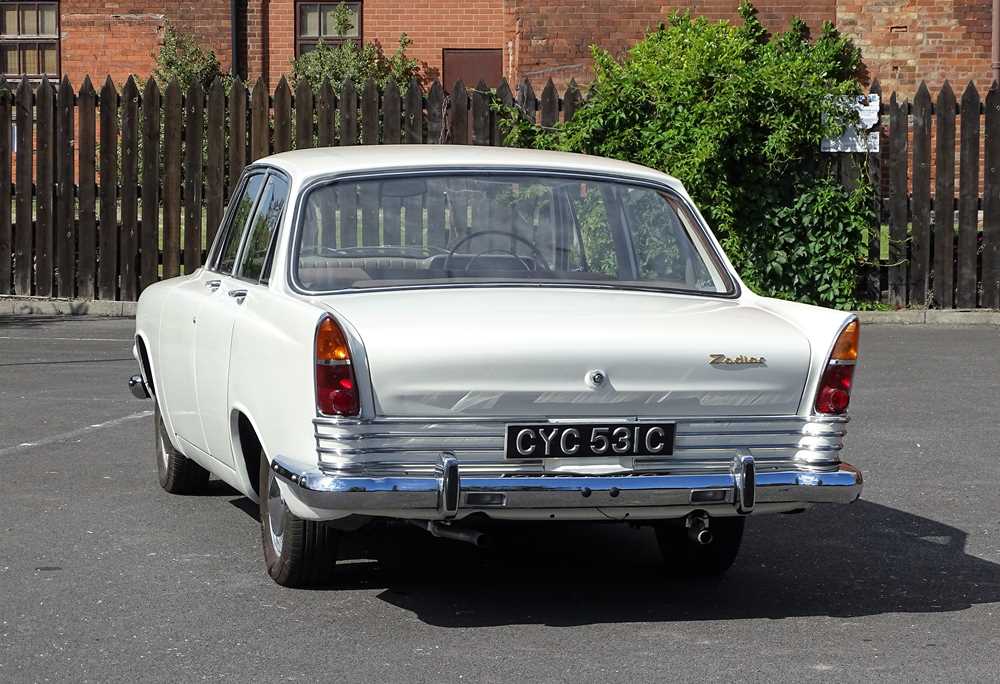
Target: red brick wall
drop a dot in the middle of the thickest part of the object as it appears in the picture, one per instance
(431, 24)
(904, 41)
(109, 37)
(551, 38)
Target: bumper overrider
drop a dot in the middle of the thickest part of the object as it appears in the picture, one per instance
(444, 493)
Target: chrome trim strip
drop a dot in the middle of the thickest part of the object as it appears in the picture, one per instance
(357, 437)
(336, 421)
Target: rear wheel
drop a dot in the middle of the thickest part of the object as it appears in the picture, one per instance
(297, 552)
(177, 473)
(686, 557)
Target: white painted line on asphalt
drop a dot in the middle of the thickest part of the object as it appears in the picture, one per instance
(68, 339)
(63, 436)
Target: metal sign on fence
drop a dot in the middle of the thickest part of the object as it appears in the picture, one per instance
(860, 138)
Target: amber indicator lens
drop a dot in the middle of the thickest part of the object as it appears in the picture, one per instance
(330, 342)
(846, 348)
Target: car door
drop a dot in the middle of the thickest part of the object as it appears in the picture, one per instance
(239, 278)
(209, 307)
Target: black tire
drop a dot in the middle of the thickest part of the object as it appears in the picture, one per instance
(303, 553)
(685, 557)
(177, 473)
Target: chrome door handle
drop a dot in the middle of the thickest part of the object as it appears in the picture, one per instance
(213, 285)
(238, 294)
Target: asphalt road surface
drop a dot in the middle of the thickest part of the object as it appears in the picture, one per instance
(104, 577)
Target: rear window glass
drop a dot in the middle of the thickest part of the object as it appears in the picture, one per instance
(465, 228)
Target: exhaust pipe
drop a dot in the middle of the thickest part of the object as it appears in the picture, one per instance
(697, 528)
(441, 531)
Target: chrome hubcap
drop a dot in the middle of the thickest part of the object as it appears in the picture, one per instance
(275, 512)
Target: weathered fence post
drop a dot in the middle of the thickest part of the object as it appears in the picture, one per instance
(459, 115)
(435, 114)
(172, 132)
(920, 234)
(65, 224)
(303, 115)
(282, 117)
(349, 113)
(327, 115)
(44, 176)
(968, 199)
(481, 114)
(897, 201)
(944, 198)
(23, 243)
(129, 245)
(215, 163)
(107, 265)
(991, 201)
(506, 99)
(237, 104)
(194, 107)
(87, 239)
(260, 133)
(149, 248)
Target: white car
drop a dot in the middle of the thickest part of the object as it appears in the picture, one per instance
(448, 334)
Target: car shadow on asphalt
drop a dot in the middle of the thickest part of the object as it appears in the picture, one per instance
(858, 560)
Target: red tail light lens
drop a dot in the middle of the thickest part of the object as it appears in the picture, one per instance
(336, 390)
(834, 393)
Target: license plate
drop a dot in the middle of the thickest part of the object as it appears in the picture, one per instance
(589, 440)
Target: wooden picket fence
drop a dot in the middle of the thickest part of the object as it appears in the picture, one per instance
(102, 194)
(944, 251)
(113, 191)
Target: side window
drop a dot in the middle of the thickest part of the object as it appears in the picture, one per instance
(265, 221)
(241, 213)
(660, 240)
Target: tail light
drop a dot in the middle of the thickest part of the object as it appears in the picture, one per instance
(834, 393)
(336, 390)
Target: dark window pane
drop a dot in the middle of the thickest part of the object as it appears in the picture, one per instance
(241, 214)
(9, 14)
(29, 20)
(8, 54)
(47, 20)
(330, 28)
(269, 209)
(309, 21)
(29, 59)
(49, 61)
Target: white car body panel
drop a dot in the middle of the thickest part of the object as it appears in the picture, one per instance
(464, 353)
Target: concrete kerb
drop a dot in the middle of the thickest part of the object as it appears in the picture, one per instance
(24, 306)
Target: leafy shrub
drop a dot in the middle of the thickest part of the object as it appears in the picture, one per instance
(336, 63)
(181, 58)
(738, 116)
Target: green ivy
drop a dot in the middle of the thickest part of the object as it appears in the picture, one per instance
(737, 115)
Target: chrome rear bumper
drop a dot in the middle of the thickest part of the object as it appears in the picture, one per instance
(445, 493)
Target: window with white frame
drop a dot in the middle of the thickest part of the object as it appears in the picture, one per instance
(29, 39)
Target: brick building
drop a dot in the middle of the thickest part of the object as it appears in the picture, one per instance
(903, 41)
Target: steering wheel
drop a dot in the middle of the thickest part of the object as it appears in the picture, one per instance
(540, 258)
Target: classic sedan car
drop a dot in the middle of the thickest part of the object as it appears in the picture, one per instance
(449, 335)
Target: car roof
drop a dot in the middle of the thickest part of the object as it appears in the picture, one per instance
(305, 165)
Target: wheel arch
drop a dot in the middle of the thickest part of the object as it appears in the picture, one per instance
(249, 448)
(145, 365)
